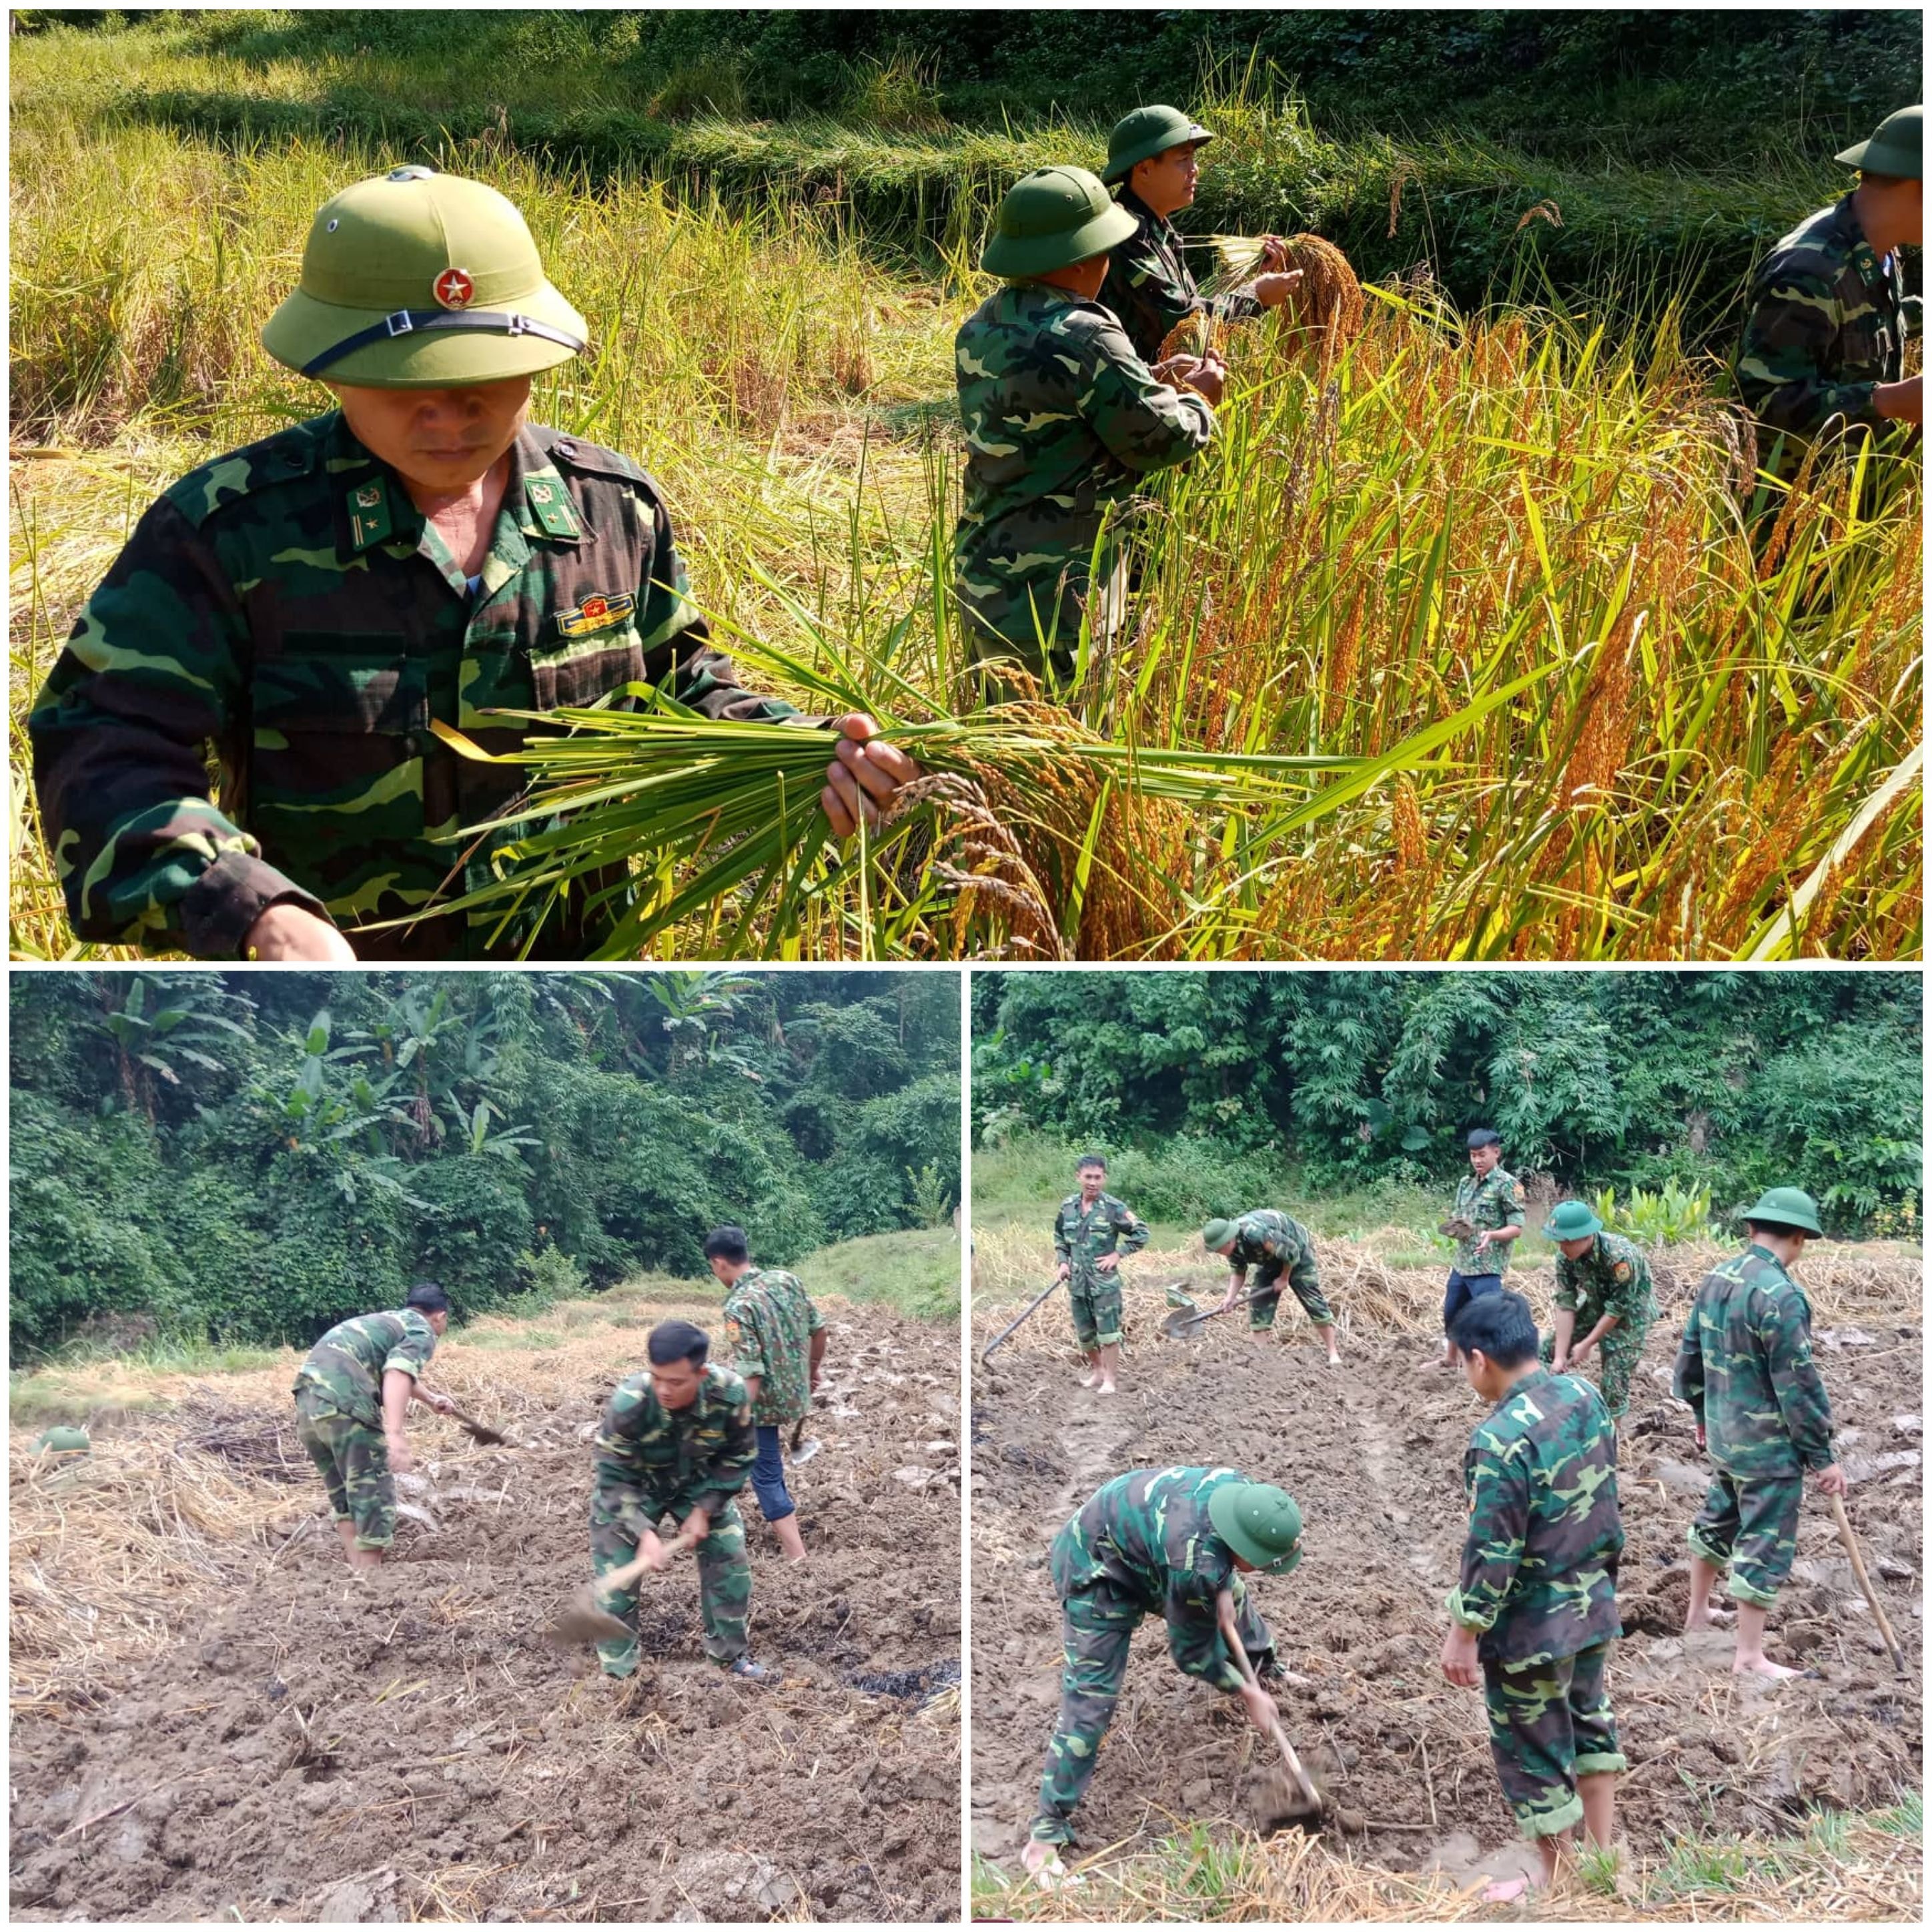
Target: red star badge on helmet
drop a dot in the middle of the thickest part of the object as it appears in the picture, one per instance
(454, 288)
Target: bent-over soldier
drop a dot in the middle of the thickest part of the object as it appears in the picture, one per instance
(1603, 1291)
(1091, 1231)
(1273, 1244)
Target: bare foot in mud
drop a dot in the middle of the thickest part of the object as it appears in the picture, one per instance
(1334, 1361)
(1043, 1865)
(1106, 1388)
(1506, 1891)
(1715, 1617)
(1092, 1376)
(1763, 1666)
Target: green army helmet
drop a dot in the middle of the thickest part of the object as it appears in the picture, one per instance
(63, 1439)
(1897, 149)
(1217, 1233)
(1789, 1206)
(414, 280)
(1146, 132)
(1570, 1221)
(1260, 1523)
(1051, 219)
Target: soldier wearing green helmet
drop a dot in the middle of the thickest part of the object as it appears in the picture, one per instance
(313, 606)
(1273, 1244)
(1153, 159)
(1173, 1543)
(1062, 421)
(1602, 1287)
(1824, 339)
(1744, 1366)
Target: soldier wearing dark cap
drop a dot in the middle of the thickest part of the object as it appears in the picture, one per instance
(1487, 1217)
(1744, 1366)
(312, 606)
(1824, 341)
(1153, 158)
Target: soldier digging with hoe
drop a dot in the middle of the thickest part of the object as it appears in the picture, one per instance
(311, 605)
(1091, 1231)
(1273, 1244)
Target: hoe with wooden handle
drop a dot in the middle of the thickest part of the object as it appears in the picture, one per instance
(478, 1431)
(802, 1452)
(1857, 1556)
(1313, 1803)
(583, 1620)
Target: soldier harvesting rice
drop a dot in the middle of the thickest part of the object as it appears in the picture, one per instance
(1273, 1244)
(1487, 1216)
(1604, 1288)
(1744, 1366)
(352, 1394)
(1091, 1231)
(314, 605)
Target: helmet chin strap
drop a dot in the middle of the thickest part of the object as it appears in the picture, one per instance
(441, 322)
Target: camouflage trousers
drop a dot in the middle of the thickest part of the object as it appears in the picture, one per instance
(1095, 1299)
(1097, 1624)
(1618, 1354)
(1749, 1524)
(1262, 1310)
(1035, 629)
(724, 1574)
(354, 1460)
(1550, 1724)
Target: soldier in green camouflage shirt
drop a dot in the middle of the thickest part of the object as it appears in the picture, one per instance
(1062, 421)
(1091, 1230)
(777, 1338)
(1604, 1288)
(1487, 1217)
(676, 1441)
(1272, 1243)
(1166, 1543)
(1824, 341)
(1153, 159)
(352, 1392)
(313, 606)
(1535, 1614)
(1744, 1366)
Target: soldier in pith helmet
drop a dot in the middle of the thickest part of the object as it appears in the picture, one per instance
(311, 607)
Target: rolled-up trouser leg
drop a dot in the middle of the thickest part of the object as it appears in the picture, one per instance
(1266, 1291)
(353, 1461)
(1096, 1308)
(1079, 1302)
(1749, 1524)
(768, 1482)
(1314, 1304)
(1096, 1628)
(1550, 1724)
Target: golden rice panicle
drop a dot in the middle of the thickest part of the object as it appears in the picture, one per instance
(1325, 311)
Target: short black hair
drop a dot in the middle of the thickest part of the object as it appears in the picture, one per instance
(1099, 1160)
(428, 1296)
(676, 1341)
(1501, 1326)
(727, 1244)
(1781, 1228)
(1482, 1137)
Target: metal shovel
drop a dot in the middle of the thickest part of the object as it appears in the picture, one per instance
(801, 1455)
(478, 1431)
(584, 1620)
(1183, 1322)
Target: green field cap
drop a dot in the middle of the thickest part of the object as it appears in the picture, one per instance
(1789, 1206)
(1570, 1221)
(64, 1440)
(1146, 132)
(1051, 219)
(1261, 1524)
(1895, 149)
(418, 281)
(1217, 1233)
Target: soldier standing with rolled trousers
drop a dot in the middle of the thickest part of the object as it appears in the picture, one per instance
(1534, 1616)
(1603, 1290)
(1273, 1244)
(1744, 1366)
(309, 607)
(1164, 1543)
(1488, 1215)
(1091, 1231)
(676, 1441)
(352, 1394)
(1824, 341)
(1062, 419)
(1153, 158)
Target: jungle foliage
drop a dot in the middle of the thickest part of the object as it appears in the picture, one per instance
(1720, 1082)
(251, 1157)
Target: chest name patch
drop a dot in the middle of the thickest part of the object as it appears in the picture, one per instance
(596, 614)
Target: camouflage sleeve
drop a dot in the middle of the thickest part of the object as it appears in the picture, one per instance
(1779, 370)
(152, 675)
(732, 1465)
(1498, 1492)
(1062, 1248)
(1139, 290)
(412, 1352)
(1566, 1284)
(1194, 1638)
(747, 1342)
(1687, 1375)
(1629, 1290)
(1143, 423)
(1134, 1232)
(619, 1462)
(1512, 1205)
(1784, 1334)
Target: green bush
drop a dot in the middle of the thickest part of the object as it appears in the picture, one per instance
(549, 1276)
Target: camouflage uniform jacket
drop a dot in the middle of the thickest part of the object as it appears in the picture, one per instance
(1612, 1278)
(1149, 287)
(1110, 1226)
(1825, 326)
(289, 605)
(672, 1458)
(1744, 1366)
(349, 1363)
(1492, 1200)
(770, 1320)
(1147, 1535)
(1061, 418)
(1266, 1234)
(1539, 1565)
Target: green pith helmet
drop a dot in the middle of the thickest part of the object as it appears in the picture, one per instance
(1570, 1221)
(1789, 1206)
(1217, 1233)
(64, 1440)
(418, 281)
(1146, 132)
(1895, 149)
(1051, 219)
(1261, 1524)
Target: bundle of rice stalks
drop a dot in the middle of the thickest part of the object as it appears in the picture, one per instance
(1199, 333)
(1324, 313)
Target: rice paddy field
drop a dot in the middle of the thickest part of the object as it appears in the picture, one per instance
(1453, 646)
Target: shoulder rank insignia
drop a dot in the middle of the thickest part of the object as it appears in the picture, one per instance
(369, 522)
(595, 613)
(550, 504)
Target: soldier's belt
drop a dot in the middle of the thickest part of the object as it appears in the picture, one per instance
(444, 322)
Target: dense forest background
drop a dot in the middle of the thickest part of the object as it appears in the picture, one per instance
(251, 1156)
(1724, 1081)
